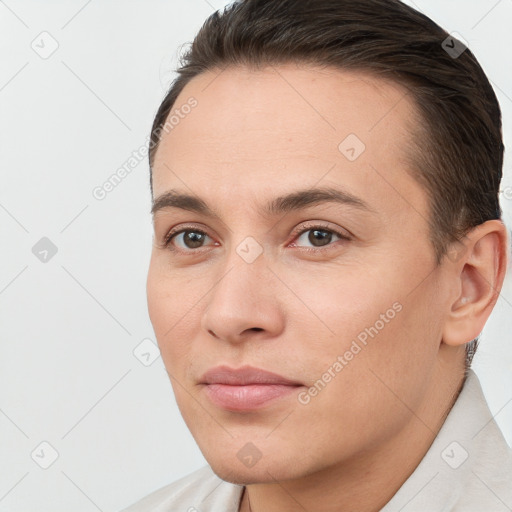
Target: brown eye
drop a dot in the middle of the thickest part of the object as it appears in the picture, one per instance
(188, 239)
(319, 238)
(193, 239)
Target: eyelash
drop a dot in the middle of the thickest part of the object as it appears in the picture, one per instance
(303, 228)
(168, 238)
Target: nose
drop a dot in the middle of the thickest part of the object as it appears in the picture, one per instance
(243, 303)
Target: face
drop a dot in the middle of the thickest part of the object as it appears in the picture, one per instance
(302, 250)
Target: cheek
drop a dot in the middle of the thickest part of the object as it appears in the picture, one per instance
(338, 306)
(172, 308)
(375, 339)
(364, 381)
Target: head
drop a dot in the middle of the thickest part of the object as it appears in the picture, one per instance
(326, 208)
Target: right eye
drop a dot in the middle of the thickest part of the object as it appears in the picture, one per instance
(186, 240)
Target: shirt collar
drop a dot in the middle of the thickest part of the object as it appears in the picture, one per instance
(467, 449)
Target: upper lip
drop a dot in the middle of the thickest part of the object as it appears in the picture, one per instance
(244, 376)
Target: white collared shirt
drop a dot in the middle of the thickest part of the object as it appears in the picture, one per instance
(468, 468)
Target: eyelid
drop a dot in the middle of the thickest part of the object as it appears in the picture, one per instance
(327, 226)
(167, 240)
(303, 227)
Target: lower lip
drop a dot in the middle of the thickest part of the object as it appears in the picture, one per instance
(248, 397)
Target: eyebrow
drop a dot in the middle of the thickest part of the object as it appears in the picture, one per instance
(297, 200)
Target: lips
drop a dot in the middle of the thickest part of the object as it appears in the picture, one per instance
(246, 388)
(244, 376)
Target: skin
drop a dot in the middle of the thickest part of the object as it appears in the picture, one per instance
(259, 134)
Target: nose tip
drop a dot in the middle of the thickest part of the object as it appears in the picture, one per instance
(243, 304)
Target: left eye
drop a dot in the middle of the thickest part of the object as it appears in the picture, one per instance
(318, 237)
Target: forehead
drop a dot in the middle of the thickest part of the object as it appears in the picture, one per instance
(289, 123)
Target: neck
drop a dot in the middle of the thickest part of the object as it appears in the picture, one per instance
(370, 479)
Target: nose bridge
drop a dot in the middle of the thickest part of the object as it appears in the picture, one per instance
(242, 297)
(245, 274)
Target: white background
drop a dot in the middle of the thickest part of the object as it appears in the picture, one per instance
(68, 327)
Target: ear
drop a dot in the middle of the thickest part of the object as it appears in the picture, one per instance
(479, 267)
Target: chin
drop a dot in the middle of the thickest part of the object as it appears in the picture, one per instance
(265, 470)
(239, 477)
(242, 476)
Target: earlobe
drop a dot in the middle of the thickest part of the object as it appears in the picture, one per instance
(479, 278)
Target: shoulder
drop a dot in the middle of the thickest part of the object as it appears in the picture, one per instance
(468, 467)
(201, 490)
(487, 456)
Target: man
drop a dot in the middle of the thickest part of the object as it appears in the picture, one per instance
(328, 247)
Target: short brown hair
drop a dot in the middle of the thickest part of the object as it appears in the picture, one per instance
(458, 155)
